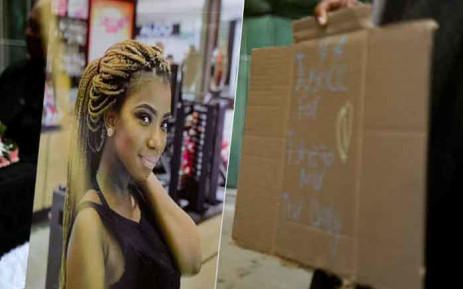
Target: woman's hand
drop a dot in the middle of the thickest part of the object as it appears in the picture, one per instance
(325, 6)
(179, 230)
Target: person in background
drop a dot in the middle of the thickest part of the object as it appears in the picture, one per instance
(445, 154)
(21, 103)
(22, 85)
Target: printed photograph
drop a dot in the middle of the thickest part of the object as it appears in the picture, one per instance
(136, 101)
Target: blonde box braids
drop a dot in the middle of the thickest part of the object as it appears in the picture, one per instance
(103, 86)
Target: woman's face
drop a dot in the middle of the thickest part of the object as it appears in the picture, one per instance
(141, 125)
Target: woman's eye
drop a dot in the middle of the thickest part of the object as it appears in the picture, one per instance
(145, 118)
(165, 125)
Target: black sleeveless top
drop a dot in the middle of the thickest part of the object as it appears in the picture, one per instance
(148, 260)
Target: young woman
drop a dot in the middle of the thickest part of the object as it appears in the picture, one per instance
(121, 228)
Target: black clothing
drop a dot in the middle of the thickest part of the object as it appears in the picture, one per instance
(148, 260)
(21, 104)
(17, 183)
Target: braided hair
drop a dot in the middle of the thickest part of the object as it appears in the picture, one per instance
(104, 86)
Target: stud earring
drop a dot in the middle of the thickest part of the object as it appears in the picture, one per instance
(110, 131)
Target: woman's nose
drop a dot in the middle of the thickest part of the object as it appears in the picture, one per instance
(156, 139)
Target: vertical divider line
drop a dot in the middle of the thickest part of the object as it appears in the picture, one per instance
(360, 149)
(229, 152)
(288, 103)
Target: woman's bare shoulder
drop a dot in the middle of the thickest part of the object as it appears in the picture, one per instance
(87, 220)
(86, 248)
(90, 196)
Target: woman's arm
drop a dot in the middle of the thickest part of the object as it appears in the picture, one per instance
(85, 266)
(179, 229)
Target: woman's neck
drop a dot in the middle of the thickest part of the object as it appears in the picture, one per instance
(112, 177)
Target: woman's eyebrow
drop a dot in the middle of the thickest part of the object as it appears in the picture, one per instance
(167, 115)
(148, 107)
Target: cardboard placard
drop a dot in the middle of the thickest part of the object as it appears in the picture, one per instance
(333, 167)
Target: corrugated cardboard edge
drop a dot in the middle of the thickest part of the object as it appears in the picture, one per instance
(342, 21)
(361, 112)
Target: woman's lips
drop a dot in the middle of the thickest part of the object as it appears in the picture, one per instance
(149, 162)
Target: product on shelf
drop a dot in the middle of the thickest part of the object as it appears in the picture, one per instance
(50, 113)
(198, 143)
(9, 152)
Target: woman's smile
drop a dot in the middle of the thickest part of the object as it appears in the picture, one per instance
(149, 161)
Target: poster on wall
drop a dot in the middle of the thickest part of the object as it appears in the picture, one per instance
(110, 22)
(78, 9)
(59, 7)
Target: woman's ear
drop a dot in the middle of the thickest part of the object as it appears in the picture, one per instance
(110, 120)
